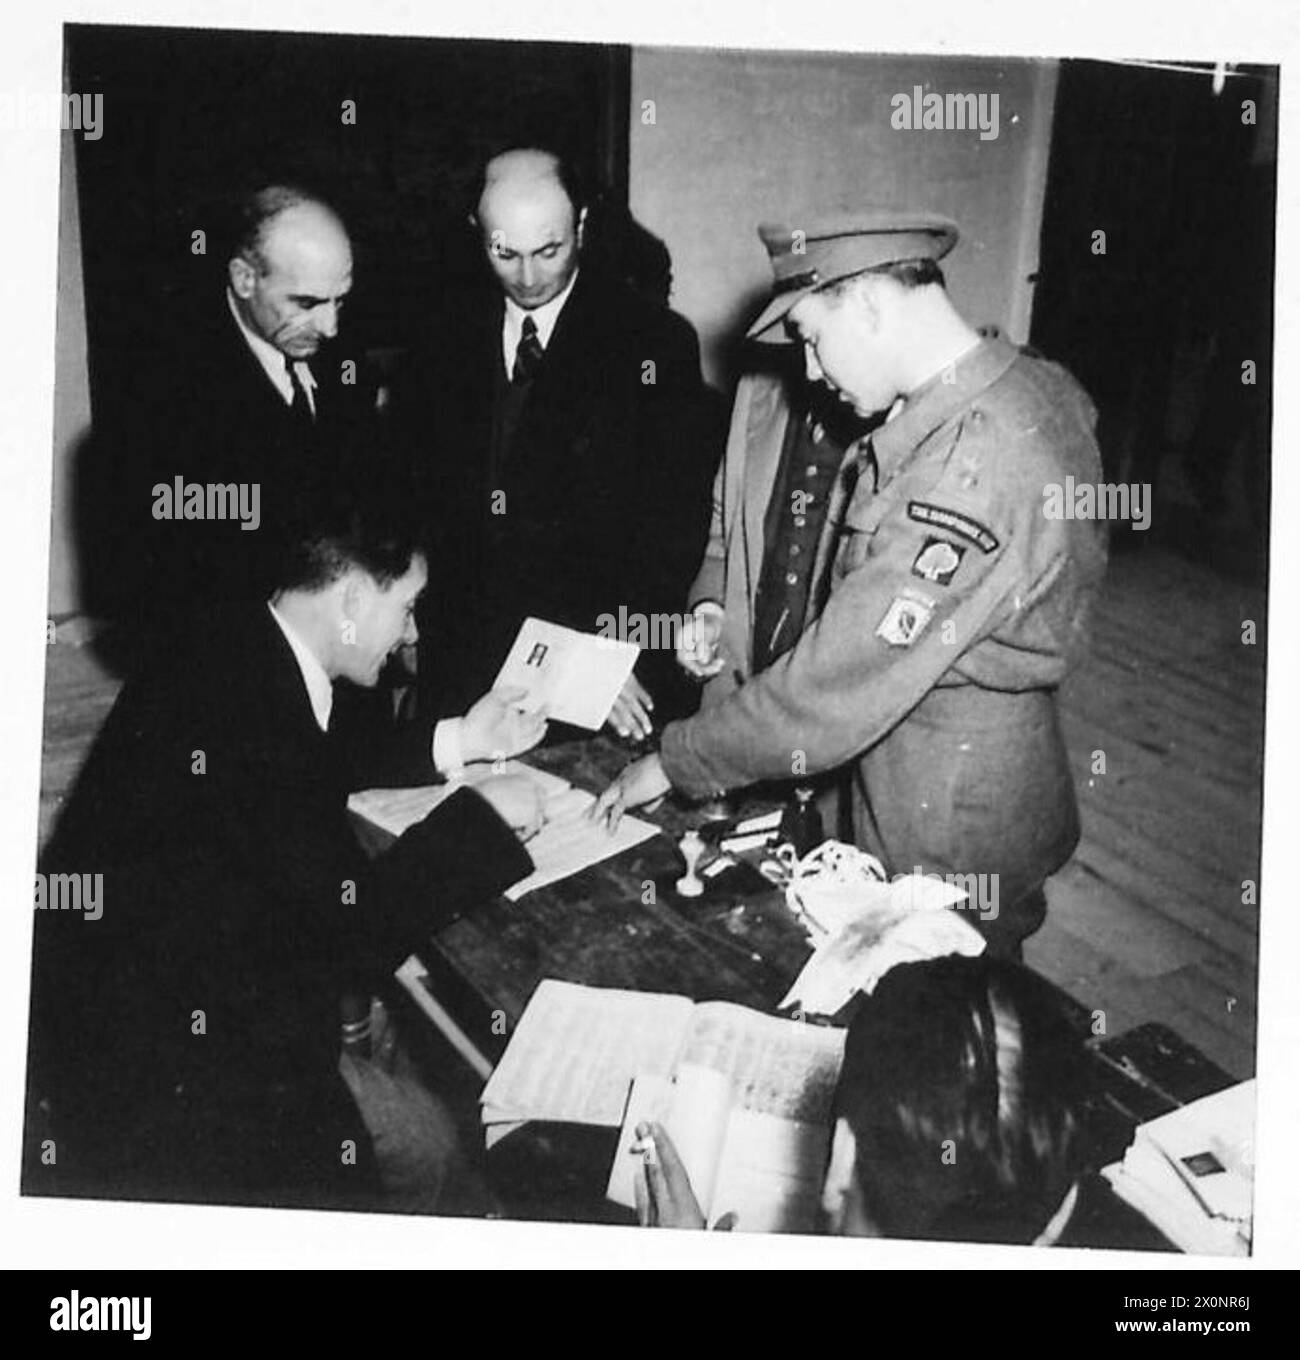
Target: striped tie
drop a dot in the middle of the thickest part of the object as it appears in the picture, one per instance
(529, 354)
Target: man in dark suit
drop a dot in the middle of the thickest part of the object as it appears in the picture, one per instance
(245, 397)
(185, 1035)
(558, 428)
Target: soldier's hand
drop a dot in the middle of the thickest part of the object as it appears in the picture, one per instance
(642, 782)
(699, 645)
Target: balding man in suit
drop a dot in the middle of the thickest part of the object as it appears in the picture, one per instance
(557, 423)
(246, 398)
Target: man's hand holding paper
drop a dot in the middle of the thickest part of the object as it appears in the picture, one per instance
(497, 727)
(569, 676)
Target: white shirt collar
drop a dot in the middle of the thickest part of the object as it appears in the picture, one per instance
(273, 361)
(320, 689)
(544, 317)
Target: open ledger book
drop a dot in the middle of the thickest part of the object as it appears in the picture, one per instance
(745, 1097)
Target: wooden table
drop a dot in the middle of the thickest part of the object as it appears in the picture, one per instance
(604, 927)
(619, 923)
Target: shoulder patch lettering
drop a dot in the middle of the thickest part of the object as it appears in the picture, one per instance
(925, 513)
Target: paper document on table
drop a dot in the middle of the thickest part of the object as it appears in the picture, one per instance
(568, 676)
(394, 810)
(746, 1098)
(1192, 1172)
(694, 1109)
(567, 843)
(575, 1050)
(770, 1173)
(748, 1109)
(570, 841)
(764, 1168)
(765, 1171)
(775, 1066)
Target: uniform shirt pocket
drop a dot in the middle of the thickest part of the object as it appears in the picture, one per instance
(862, 521)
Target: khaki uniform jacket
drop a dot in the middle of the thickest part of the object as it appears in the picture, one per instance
(956, 608)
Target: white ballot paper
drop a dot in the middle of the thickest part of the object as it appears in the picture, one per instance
(568, 676)
(567, 843)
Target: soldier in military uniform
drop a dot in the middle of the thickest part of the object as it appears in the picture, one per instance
(954, 606)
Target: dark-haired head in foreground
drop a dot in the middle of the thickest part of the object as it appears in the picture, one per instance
(957, 1108)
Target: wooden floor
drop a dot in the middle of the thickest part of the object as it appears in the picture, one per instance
(1147, 922)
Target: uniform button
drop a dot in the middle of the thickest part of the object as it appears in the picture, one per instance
(810, 498)
(976, 415)
(794, 550)
(791, 579)
(819, 433)
(800, 521)
(810, 470)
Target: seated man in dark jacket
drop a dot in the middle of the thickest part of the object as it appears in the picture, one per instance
(185, 1036)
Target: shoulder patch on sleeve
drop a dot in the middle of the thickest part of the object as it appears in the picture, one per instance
(938, 560)
(905, 619)
(925, 513)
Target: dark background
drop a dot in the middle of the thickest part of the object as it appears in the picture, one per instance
(1156, 329)
(195, 117)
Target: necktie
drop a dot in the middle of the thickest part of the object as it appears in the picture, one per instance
(863, 463)
(300, 407)
(529, 354)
